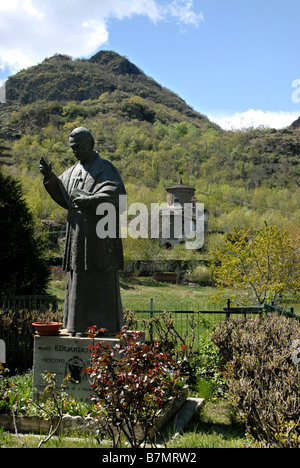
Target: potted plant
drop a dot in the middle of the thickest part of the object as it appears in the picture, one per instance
(47, 328)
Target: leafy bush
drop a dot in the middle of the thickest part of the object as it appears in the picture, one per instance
(15, 392)
(16, 395)
(133, 383)
(262, 376)
(201, 274)
(197, 360)
(207, 381)
(16, 398)
(162, 328)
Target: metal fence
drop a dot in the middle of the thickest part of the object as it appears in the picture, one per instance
(42, 303)
(190, 321)
(199, 320)
(281, 311)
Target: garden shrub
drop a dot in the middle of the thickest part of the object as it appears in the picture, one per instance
(17, 331)
(162, 329)
(196, 359)
(16, 395)
(262, 373)
(206, 378)
(201, 274)
(133, 383)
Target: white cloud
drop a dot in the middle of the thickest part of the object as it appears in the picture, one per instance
(255, 118)
(31, 30)
(183, 11)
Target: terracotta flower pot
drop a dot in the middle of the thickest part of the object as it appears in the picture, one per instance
(44, 328)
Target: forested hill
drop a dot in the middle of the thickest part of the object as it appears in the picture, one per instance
(62, 79)
(151, 135)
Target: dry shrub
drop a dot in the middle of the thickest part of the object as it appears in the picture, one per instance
(262, 369)
(17, 331)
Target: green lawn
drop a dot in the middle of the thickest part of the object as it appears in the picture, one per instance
(167, 296)
(214, 427)
(139, 291)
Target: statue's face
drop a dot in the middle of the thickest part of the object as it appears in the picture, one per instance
(81, 148)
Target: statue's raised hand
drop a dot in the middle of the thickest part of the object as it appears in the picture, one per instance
(45, 168)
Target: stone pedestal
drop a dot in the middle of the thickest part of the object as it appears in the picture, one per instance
(62, 355)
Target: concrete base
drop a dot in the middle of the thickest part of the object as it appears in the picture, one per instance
(170, 425)
(62, 355)
(180, 420)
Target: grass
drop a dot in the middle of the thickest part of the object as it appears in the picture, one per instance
(139, 291)
(57, 288)
(167, 295)
(214, 427)
(8, 440)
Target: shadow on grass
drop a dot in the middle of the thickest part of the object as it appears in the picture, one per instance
(216, 418)
(147, 282)
(126, 287)
(154, 283)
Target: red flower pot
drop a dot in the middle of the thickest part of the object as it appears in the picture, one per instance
(44, 329)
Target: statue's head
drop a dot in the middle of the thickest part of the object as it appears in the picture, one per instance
(82, 143)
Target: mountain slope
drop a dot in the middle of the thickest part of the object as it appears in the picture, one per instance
(150, 133)
(296, 124)
(62, 79)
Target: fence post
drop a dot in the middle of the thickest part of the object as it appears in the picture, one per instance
(228, 307)
(151, 316)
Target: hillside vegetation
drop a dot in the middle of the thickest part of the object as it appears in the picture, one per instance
(244, 178)
(60, 78)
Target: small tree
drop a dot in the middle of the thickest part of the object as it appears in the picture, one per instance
(260, 267)
(52, 410)
(23, 269)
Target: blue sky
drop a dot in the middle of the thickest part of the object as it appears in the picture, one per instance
(235, 61)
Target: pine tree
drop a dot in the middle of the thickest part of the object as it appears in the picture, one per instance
(23, 269)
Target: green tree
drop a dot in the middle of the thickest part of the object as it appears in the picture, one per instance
(23, 268)
(259, 267)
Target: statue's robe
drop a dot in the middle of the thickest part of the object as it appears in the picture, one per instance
(92, 263)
